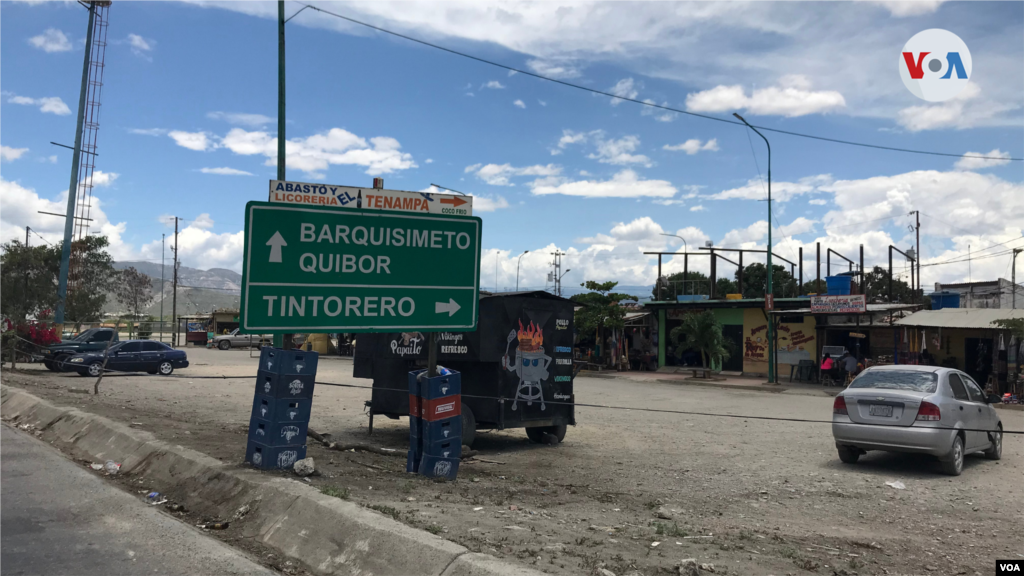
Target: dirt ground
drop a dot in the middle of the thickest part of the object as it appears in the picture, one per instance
(629, 491)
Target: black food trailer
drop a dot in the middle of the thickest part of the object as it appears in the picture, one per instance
(517, 367)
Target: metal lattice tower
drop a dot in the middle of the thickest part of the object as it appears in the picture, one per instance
(90, 130)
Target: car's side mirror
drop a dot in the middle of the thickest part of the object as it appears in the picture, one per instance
(993, 399)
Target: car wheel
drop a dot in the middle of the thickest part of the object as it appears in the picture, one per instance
(995, 452)
(224, 345)
(165, 368)
(60, 363)
(953, 464)
(468, 426)
(150, 371)
(49, 365)
(848, 455)
(95, 369)
(536, 433)
(83, 372)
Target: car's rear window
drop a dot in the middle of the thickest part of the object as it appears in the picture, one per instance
(911, 380)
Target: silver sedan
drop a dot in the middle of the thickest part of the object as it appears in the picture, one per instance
(922, 409)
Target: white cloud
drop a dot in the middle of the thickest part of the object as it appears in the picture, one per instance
(965, 110)
(20, 207)
(968, 163)
(903, 8)
(659, 115)
(625, 184)
(542, 103)
(625, 88)
(49, 104)
(755, 189)
(560, 70)
(199, 141)
(52, 40)
(141, 47)
(428, 161)
(242, 119)
(501, 174)
(619, 152)
(693, 146)
(698, 208)
(520, 104)
(313, 154)
(669, 202)
(493, 85)
(818, 202)
(792, 98)
(225, 171)
(569, 137)
(148, 131)
(8, 153)
(489, 203)
(52, 159)
(101, 178)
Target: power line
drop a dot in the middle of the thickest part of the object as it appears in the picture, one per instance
(641, 102)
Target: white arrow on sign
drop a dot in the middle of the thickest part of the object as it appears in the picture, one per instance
(275, 243)
(451, 307)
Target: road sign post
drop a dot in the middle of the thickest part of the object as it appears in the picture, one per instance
(311, 269)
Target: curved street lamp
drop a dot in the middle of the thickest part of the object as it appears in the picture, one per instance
(517, 268)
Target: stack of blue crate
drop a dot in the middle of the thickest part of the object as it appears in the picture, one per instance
(435, 424)
(281, 408)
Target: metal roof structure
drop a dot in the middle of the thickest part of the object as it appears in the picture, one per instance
(978, 318)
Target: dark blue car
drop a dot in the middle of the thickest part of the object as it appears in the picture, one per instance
(131, 356)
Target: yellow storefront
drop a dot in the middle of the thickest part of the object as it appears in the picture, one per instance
(796, 341)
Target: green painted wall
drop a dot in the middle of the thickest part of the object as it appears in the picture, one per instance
(729, 316)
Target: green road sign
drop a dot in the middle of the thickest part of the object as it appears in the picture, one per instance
(311, 269)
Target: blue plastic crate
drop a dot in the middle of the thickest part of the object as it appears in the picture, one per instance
(450, 448)
(436, 387)
(267, 457)
(437, 431)
(281, 409)
(284, 385)
(277, 433)
(281, 361)
(438, 467)
(412, 461)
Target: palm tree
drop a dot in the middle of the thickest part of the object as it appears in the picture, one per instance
(701, 331)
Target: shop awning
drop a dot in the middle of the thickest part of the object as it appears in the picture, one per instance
(978, 318)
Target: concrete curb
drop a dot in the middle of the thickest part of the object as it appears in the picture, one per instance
(330, 536)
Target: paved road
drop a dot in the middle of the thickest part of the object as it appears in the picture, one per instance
(58, 518)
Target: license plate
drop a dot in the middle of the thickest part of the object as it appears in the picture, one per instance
(880, 410)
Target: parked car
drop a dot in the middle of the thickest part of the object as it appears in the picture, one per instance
(922, 409)
(55, 356)
(131, 356)
(234, 339)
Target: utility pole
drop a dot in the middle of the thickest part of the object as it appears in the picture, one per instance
(174, 288)
(69, 221)
(163, 286)
(558, 271)
(1013, 276)
(26, 236)
(917, 229)
(283, 341)
(771, 271)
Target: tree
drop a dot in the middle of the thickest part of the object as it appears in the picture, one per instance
(701, 332)
(600, 307)
(134, 290)
(692, 283)
(755, 281)
(94, 276)
(877, 287)
(1014, 325)
(28, 286)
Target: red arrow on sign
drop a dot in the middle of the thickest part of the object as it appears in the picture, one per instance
(455, 202)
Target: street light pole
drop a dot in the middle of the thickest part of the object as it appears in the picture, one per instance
(686, 249)
(771, 271)
(567, 270)
(517, 268)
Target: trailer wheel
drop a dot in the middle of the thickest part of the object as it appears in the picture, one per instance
(468, 426)
(536, 434)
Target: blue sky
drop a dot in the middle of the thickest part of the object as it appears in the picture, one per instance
(189, 125)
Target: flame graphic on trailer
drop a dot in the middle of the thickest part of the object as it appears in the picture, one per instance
(531, 364)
